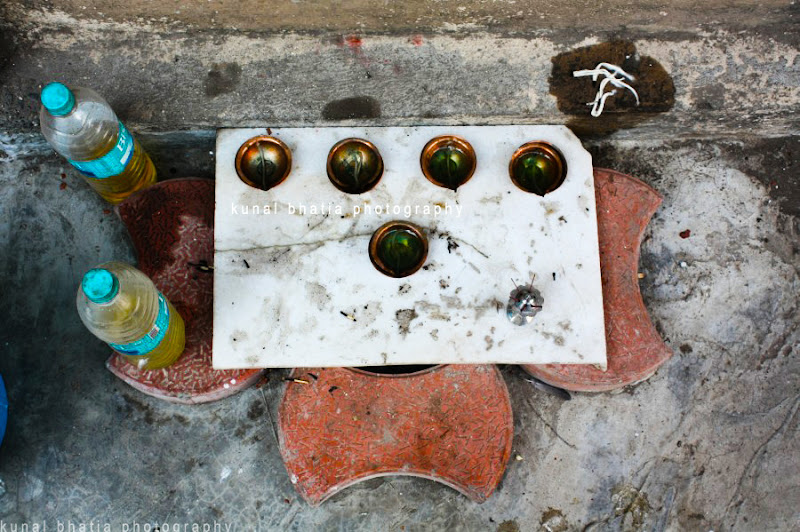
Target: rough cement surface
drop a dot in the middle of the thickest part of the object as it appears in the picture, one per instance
(726, 82)
(709, 442)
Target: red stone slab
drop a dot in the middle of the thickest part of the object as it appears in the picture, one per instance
(451, 424)
(171, 225)
(634, 348)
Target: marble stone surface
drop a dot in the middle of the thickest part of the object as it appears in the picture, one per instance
(296, 288)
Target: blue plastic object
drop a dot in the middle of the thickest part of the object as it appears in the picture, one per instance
(57, 99)
(100, 285)
(3, 409)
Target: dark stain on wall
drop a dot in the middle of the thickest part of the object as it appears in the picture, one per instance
(222, 78)
(349, 108)
(653, 84)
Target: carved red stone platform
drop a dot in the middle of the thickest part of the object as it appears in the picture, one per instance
(171, 225)
(451, 424)
(634, 348)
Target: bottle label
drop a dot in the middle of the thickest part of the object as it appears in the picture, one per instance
(149, 341)
(113, 162)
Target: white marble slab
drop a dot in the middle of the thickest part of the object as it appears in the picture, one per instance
(294, 289)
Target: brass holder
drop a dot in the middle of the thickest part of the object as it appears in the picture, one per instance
(448, 161)
(398, 249)
(263, 162)
(354, 165)
(537, 167)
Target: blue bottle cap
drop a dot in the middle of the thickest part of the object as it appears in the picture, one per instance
(100, 285)
(57, 99)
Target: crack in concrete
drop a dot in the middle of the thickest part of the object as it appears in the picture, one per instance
(481, 253)
(549, 426)
(294, 244)
(760, 451)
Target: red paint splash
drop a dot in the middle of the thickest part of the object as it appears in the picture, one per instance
(417, 40)
(62, 186)
(353, 41)
(685, 234)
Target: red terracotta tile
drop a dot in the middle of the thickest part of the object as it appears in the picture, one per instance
(451, 424)
(634, 348)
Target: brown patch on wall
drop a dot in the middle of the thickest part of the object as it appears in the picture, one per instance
(653, 84)
(350, 108)
(222, 78)
(709, 97)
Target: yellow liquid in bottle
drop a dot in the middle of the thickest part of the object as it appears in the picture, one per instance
(133, 318)
(140, 173)
(170, 347)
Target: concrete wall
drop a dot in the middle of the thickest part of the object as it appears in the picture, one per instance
(173, 65)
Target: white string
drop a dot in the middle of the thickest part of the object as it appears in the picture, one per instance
(613, 75)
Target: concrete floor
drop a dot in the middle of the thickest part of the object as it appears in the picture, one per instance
(708, 443)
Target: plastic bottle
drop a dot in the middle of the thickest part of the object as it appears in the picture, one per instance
(81, 126)
(121, 306)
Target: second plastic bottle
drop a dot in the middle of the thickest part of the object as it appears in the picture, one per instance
(121, 306)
